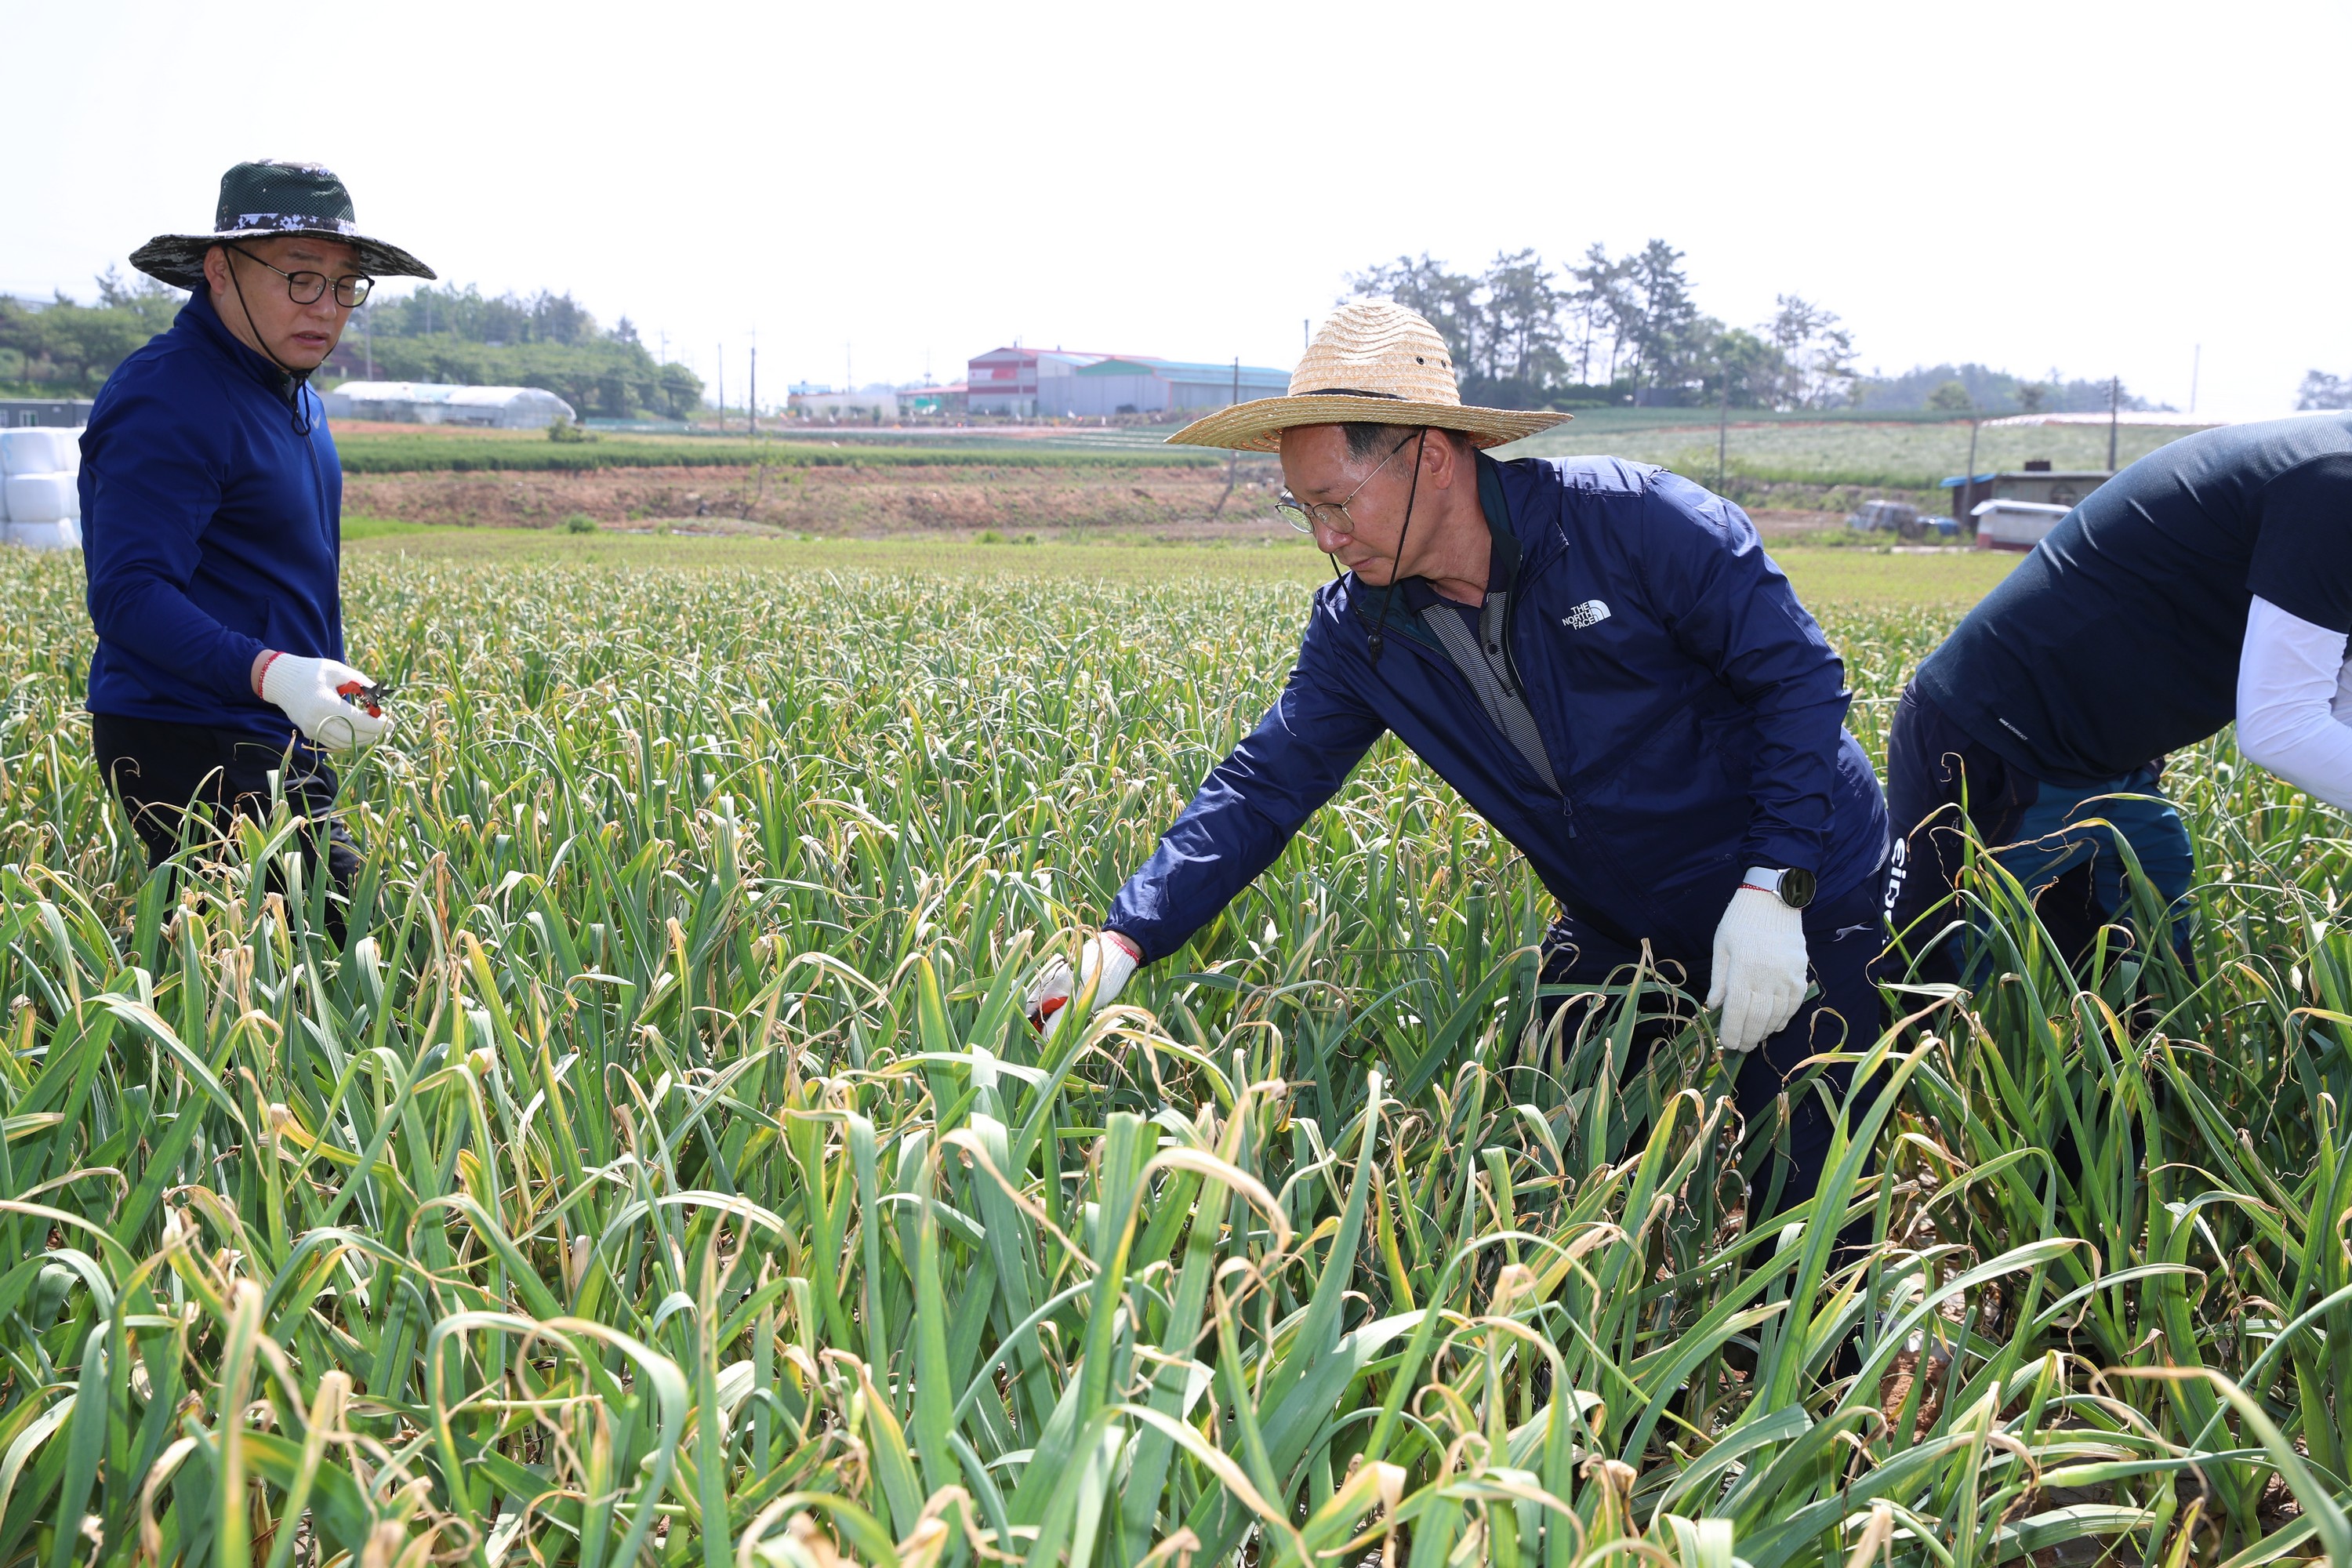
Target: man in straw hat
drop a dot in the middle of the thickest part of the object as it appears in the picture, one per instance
(212, 503)
(1601, 657)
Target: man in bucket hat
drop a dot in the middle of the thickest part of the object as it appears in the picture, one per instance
(211, 501)
(1599, 655)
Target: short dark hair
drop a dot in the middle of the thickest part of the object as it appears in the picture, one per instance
(1367, 440)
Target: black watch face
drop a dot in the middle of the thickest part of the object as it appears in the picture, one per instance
(1796, 889)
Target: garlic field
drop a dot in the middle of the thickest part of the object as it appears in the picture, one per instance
(665, 1174)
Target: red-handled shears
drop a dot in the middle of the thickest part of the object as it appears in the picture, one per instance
(368, 699)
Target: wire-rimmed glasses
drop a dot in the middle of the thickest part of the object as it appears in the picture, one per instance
(305, 287)
(1305, 516)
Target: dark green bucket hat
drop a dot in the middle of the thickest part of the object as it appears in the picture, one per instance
(266, 200)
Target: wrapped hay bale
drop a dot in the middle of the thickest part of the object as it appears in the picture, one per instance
(40, 493)
(39, 449)
(42, 498)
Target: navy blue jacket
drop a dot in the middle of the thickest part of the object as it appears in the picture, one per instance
(1697, 723)
(211, 528)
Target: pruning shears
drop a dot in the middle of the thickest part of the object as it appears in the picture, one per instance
(370, 699)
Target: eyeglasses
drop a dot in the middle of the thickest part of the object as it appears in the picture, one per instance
(304, 287)
(1305, 516)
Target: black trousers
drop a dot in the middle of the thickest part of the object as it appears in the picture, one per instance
(2060, 843)
(1941, 783)
(1845, 1012)
(166, 773)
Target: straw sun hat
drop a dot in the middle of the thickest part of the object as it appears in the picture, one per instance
(1373, 363)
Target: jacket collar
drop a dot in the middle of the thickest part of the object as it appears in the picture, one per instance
(1415, 595)
(1521, 505)
(1503, 566)
(204, 323)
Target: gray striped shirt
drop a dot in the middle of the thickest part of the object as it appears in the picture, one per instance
(1487, 667)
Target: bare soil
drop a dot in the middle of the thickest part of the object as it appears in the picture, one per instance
(1154, 502)
(1056, 503)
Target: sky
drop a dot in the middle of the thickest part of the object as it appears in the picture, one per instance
(2143, 190)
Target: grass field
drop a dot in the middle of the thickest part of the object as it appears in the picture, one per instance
(663, 1175)
(1896, 454)
(1835, 576)
(1906, 455)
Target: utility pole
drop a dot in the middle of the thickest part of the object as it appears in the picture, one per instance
(752, 407)
(1303, 343)
(2196, 364)
(1233, 454)
(367, 347)
(722, 389)
(2115, 406)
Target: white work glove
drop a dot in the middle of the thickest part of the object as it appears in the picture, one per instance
(1759, 968)
(311, 692)
(1107, 960)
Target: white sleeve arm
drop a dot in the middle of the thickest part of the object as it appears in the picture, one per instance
(2294, 699)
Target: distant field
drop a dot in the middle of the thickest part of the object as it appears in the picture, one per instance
(1822, 575)
(1907, 454)
(426, 450)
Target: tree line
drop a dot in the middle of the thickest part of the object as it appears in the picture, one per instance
(1628, 328)
(1979, 389)
(546, 340)
(1615, 329)
(61, 348)
(2320, 390)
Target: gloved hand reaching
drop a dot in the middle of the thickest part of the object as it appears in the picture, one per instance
(1759, 968)
(312, 691)
(1108, 959)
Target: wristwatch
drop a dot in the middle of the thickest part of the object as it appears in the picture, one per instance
(1793, 887)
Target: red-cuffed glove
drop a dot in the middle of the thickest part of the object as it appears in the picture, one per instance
(311, 692)
(1106, 962)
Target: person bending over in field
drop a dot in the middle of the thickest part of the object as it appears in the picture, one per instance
(211, 501)
(1601, 658)
(2209, 581)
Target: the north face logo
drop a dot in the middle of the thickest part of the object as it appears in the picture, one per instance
(1590, 613)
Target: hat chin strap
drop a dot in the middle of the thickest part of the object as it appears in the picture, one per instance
(299, 378)
(1396, 568)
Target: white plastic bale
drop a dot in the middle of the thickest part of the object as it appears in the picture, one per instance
(42, 498)
(39, 449)
(61, 535)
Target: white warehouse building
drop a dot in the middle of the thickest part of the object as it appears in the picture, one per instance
(433, 402)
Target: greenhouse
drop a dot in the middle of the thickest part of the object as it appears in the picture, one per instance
(435, 402)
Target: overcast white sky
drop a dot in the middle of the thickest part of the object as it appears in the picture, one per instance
(2094, 186)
